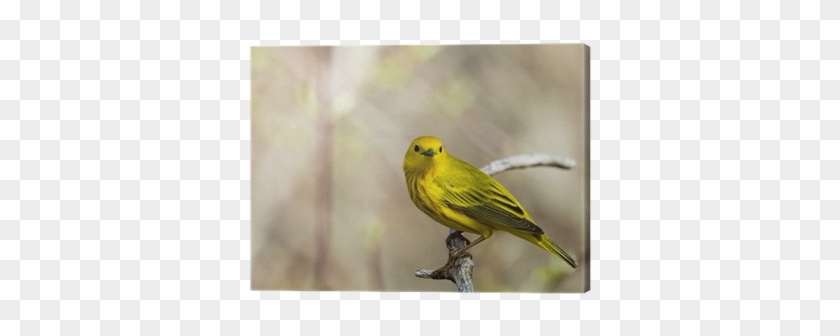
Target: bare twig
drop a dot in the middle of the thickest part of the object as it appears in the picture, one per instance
(459, 270)
(526, 161)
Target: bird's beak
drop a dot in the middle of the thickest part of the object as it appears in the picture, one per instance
(430, 152)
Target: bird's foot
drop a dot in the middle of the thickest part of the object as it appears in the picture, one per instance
(456, 235)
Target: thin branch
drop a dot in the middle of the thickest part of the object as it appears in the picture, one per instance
(527, 161)
(459, 270)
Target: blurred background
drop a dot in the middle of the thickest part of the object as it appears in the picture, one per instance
(330, 126)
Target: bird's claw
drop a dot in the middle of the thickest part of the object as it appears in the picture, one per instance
(454, 235)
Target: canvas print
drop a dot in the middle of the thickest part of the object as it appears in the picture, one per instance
(420, 168)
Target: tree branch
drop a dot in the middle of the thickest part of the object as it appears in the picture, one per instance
(459, 270)
(527, 161)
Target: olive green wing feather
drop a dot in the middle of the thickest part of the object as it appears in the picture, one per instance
(477, 195)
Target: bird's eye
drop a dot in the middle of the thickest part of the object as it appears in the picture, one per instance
(440, 149)
(416, 148)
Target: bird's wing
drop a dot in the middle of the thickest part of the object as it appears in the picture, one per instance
(491, 205)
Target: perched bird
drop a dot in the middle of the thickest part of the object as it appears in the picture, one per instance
(464, 198)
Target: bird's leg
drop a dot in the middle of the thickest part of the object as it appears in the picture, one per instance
(453, 247)
(456, 254)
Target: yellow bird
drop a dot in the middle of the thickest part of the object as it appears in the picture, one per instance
(464, 198)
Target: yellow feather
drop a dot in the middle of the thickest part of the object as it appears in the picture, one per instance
(462, 197)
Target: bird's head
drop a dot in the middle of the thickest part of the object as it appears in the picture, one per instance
(422, 153)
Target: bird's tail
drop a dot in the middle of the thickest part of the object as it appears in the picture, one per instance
(548, 245)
